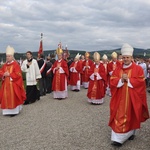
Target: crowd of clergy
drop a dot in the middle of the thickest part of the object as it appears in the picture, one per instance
(123, 78)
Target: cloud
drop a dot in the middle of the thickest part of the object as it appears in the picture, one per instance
(82, 25)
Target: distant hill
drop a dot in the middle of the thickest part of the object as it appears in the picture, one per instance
(138, 52)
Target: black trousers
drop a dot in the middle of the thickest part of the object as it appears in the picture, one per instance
(48, 84)
(42, 86)
(32, 94)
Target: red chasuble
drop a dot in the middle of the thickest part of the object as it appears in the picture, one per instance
(96, 89)
(128, 106)
(75, 76)
(106, 71)
(60, 79)
(85, 73)
(12, 92)
(111, 67)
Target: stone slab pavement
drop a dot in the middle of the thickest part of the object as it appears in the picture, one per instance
(70, 124)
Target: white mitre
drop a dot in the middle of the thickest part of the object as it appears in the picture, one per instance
(105, 57)
(10, 50)
(78, 56)
(127, 49)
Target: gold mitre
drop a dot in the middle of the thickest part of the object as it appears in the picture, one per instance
(114, 55)
(59, 51)
(87, 54)
(96, 56)
(10, 50)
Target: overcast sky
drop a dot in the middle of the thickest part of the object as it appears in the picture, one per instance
(81, 24)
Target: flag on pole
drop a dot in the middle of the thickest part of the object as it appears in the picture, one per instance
(66, 53)
(60, 45)
(41, 46)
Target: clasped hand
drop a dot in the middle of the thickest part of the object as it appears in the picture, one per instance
(6, 74)
(57, 68)
(95, 74)
(29, 63)
(124, 78)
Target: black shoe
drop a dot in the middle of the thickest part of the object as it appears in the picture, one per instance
(95, 103)
(26, 103)
(13, 115)
(117, 144)
(38, 98)
(131, 137)
(77, 90)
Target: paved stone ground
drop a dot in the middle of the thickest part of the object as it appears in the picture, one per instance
(71, 124)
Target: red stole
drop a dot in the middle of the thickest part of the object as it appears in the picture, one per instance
(57, 77)
(94, 88)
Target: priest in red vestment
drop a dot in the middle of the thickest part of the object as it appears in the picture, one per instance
(12, 92)
(97, 82)
(75, 74)
(86, 65)
(61, 73)
(128, 106)
(81, 61)
(105, 63)
(112, 65)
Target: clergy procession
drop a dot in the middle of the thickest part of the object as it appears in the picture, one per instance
(121, 79)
